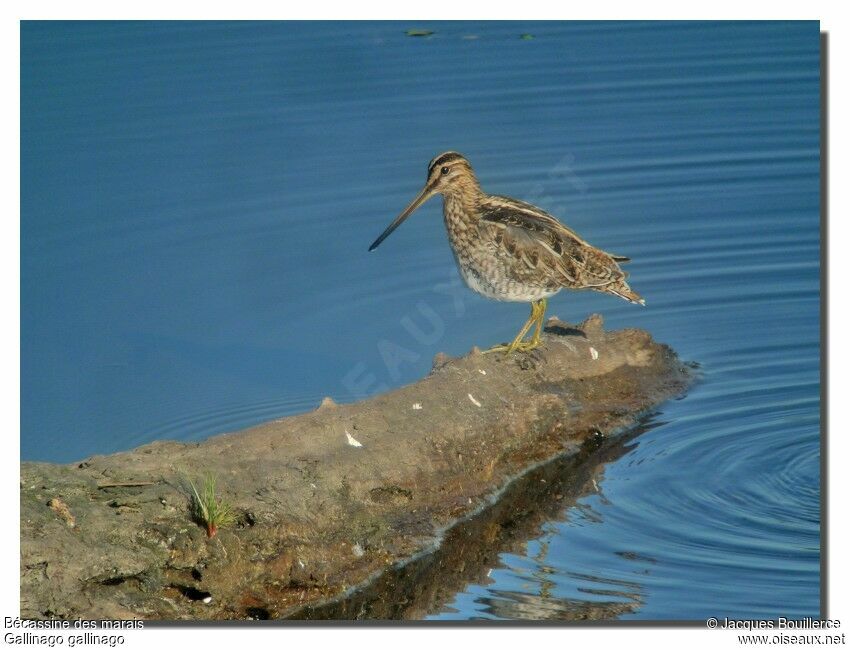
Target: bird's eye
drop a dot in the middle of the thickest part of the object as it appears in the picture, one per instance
(444, 171)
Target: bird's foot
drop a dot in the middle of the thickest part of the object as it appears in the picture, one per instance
(519, 346)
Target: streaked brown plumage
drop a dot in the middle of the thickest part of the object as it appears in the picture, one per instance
(511, 250)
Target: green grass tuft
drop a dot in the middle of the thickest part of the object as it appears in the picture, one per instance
(208, 510)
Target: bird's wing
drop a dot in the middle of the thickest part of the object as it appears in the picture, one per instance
(535, 213)
(541, 242)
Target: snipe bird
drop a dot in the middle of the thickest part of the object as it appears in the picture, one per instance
(511, 250)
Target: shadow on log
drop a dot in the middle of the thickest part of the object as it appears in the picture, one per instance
(380, 509)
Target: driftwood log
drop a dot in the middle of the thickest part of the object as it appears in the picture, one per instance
(450, 471)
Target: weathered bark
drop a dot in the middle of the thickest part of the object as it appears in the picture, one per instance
(318, 516)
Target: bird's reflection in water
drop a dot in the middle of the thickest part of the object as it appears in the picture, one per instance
(525, 514)
(609, 600)
(536, 607)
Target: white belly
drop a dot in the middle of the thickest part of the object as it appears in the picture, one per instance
(505, 291)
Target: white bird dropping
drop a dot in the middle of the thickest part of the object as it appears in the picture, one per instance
(351, 440)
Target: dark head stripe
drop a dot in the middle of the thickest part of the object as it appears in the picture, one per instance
(443, 158)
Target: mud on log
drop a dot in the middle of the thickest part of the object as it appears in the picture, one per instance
(328, 529)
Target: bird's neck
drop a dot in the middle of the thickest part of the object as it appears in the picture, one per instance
(460, 214)
(462, 202)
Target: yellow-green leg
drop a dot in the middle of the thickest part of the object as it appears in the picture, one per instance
(538, 309)
(535, 339)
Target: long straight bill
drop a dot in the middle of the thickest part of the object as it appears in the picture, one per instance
(423, 196)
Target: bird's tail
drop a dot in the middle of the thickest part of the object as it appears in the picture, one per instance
(624, 291)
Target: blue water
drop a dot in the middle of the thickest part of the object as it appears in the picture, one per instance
(197, 200)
